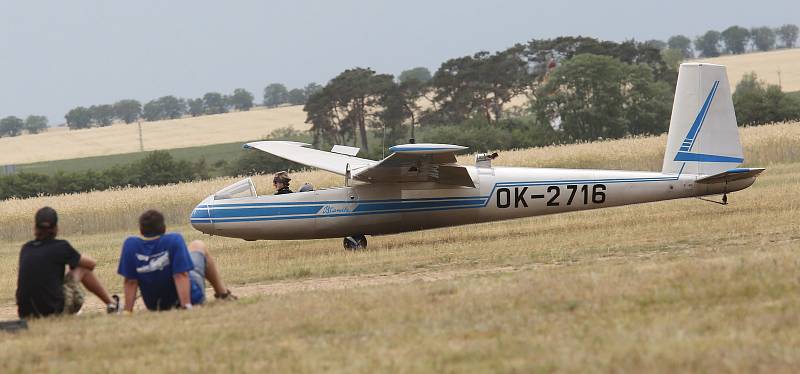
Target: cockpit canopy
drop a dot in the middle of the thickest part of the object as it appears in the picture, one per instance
(240, 189)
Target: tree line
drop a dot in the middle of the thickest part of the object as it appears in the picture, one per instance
(172, 107)
(733, 40)
(482, 85)
(14, 126)
(158, 168)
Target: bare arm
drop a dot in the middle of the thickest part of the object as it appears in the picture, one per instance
(87, 262)
(183, 287)
(129, 288)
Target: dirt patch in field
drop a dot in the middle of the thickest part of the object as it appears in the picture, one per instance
(93, 304)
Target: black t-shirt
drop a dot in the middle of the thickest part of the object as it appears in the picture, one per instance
(283, 191)
(41, 276)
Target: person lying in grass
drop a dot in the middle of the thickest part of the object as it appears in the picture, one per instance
(168, 273)
(43, 288)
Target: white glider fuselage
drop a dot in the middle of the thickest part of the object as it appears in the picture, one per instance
(422, 186)
(385, 208)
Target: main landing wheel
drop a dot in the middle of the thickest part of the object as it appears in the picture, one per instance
(355, 242)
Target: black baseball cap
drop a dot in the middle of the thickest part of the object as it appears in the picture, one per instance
(46, 218)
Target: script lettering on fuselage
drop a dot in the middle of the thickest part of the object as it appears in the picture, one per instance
(327, 209)
(556, 195)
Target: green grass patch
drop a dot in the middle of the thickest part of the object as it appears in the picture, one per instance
(217, 156)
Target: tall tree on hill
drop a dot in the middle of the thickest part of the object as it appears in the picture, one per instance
(681, 43)
(79, 118)
(275, 94)
(241, 99)
(152, 111)
(102, 115)
(195, 107)
(296, 96)
(594, 97)
(311, 89)
(346, 105)
(35, 124)
(655, 43)
(480, 84)
(788, 35)
(214, 103)
(128, 110)
(735, 39)
(420, 74)
(172, 107)
(757, 103)
(542, 55)
(708, 44)
(11, 126)
(763, 38)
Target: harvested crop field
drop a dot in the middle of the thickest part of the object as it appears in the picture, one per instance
(673, 286)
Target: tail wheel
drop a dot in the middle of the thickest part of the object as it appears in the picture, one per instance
(355, 242)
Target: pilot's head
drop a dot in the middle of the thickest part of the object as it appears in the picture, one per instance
(281, 180)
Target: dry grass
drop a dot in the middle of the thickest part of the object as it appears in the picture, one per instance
(599, 289)
(672, 286)
(116, 210)
(766, 65)
(60, 143)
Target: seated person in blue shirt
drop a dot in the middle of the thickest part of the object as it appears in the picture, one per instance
(168, 273)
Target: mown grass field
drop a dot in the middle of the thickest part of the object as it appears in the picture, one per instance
(63, 144)
(775, 67)
(673, 286)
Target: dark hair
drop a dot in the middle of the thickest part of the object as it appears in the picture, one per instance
(45, 224)
(151, 223)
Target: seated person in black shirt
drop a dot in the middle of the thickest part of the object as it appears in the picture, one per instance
(281, 183)
(43, 288)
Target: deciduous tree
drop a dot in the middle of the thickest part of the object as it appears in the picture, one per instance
(35, 124)
(788, 35)
(275, 94)
(214, 103)
(735, 39)
(102, 115)
(421, 74)
(296, 96)
(11, 126)
(681, 43)
(128, 110)
(79, 118)
(708, 44)
(241, 99)
(195, 107)
(763, 38)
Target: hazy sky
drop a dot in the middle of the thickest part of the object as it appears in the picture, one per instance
(60, 54)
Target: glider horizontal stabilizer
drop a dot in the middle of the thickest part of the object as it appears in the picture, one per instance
(731, 175)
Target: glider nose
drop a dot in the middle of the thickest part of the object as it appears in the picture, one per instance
(201, 216)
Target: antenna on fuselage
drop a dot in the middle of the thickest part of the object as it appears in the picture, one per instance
(347, 175)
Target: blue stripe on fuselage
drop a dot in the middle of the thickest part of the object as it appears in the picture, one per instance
(249, 213)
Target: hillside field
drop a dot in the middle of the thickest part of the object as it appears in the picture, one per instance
(766, 65)
(62, 144)
(212, 153)
(684, 285)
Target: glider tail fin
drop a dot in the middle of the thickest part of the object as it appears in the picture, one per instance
(703, 137)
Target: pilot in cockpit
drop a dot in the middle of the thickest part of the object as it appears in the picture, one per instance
(281, 182)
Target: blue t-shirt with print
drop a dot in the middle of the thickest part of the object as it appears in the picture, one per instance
(153, 262)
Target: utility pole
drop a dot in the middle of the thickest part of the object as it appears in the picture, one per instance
(141, 141)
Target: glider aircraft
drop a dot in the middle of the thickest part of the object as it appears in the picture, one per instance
(421, 186)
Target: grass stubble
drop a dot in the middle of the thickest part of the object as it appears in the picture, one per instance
(681, 285)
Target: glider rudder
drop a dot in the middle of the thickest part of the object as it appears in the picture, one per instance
(703, 137)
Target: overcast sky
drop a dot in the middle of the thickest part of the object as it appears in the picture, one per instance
(56, 55)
